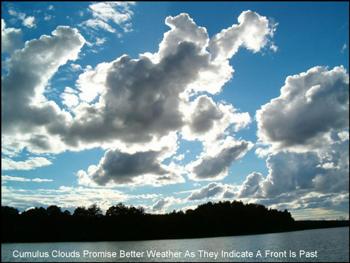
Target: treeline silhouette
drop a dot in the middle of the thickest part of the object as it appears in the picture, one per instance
(121, 222)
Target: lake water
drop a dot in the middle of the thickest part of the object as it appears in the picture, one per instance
(328, 245)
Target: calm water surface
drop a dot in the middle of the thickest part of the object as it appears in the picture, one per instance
(327, 245)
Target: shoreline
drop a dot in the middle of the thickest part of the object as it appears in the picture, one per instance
(201, 237)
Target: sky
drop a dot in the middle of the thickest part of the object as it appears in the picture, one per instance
(167, 105)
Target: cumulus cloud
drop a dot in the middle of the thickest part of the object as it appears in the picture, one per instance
(311, 107)
(29, 70)
(213, 191)
(213, 164)
(210, 190)
(98, 24)
(253, 32)
(29, 164)
(7, 178)
(137, 168)
(23, 85)
(27, 21)
(68, 197)
(251, 185)
(10, 38)
(305, 132)
(290, 172)
(163, 204)
(69, 97)
(306, 204)
(207, 120)
(130, 105)
(107, 13)
(126, 112)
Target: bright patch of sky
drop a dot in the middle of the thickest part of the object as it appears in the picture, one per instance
(155, 104)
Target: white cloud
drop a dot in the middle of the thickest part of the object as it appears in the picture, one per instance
(91, 83)
(273, 47)
(304, 134)
(29, 22)
(207, 120)
(113, 111)
(312, 106)
(251, 185)
(214, 162)
(41, 180)
(343, 48)
(18, 15)
(100, 41)
(128, 114)
(98, 24)
(179, 157)
(29, 164)
(48, 17)
(162, 205)
(10, 38)
(76, 67)
(253, 32)
(210, 190)
(68, 197)
(106, 14)
(69, 97)
(7, 178)
(121, 168)
(29, 111)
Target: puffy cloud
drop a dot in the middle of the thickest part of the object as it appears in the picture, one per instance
(29, 69)
(65, 197)
(213, 191)
(179, 157)
(29, 164)
(7, 178)
(312, 106)
(69, 97)
(75, 67)
(159, 205)
(213, 164)
(251, 185)
(305, 131)
(211, 78)
(207, 120)
(138, 168)
(210, 190)
(290, 172)
(182, 29)
(127, 104)
(133, 114)
(253, 32)
(163, 204)
(10, 38)
(91, 82)
(127, 113)
(118, 13)
(306, 139)
(48, 17)
(96, 24)
(344, 48)
(306, 204)
(29, 22)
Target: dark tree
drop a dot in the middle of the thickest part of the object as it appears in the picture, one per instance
(130, 223)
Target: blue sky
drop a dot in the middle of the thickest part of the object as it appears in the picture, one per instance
(281, 39)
